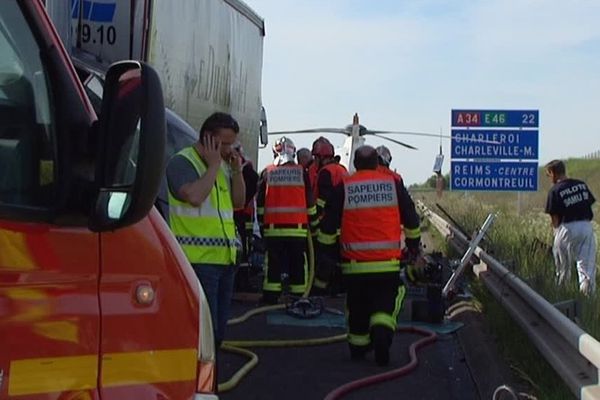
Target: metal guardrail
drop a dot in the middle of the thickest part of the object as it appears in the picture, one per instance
(573, 353)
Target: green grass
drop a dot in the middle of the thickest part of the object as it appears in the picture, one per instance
(514, 240)
(519, 354)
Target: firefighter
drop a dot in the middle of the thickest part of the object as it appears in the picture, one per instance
(304, 157)
(314, 166)
(384, 157)
(285, 211)
(244, 219)
(329, 175)
(365, 215)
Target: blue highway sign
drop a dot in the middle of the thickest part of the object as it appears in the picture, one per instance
(481, 143)
(494, 176)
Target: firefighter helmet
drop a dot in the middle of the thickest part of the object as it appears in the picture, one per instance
(284, 151)
(322, 148)
(385, 157)
(317, 148)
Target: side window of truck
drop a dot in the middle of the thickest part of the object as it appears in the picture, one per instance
(27, 157)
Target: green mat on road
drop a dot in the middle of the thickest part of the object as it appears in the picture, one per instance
(327, 320)
(330, 320)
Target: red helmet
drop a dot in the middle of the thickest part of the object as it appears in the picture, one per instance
(322, 148)
(317, 143)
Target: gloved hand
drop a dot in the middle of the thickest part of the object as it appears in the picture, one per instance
(413, 274)
(410, 255)
(415, 264)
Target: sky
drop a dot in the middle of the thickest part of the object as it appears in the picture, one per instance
(405, 64)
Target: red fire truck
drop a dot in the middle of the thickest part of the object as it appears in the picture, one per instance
(97, 301)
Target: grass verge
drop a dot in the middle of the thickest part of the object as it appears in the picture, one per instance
(524, 359)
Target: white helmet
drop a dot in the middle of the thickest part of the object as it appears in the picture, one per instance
(284, 151)
(385, 157)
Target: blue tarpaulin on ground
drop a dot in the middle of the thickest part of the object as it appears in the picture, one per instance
(327, 320)
(330, 320)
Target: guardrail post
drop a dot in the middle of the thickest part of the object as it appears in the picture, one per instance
(449, 287)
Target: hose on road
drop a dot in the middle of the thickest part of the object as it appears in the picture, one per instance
(429, 337)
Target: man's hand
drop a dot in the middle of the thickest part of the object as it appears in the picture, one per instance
(210, 151)
(235, 162)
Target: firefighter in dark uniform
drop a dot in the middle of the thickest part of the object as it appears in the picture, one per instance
(329, 175)
(244, 217)
(364, 216)
(244, 222)
(304, 157)
(285, 211)
(315, 164)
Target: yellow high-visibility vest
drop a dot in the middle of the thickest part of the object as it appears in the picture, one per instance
(206, 233)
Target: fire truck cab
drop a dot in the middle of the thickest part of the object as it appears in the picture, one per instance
(97, 300)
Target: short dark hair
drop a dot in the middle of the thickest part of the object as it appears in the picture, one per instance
(365, 157)
(219, 120)
(557, 167)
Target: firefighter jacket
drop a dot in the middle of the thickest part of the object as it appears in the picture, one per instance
(313, 171)
(284, 202)
(206, 233)
(365, 214)
(328, 177)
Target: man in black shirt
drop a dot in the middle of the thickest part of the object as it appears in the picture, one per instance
(569, 204)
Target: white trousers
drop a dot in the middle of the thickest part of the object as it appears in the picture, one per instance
(575, 243)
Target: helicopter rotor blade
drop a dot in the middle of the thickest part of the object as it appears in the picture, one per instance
(313, 130)
(396, 141)
(436, 135)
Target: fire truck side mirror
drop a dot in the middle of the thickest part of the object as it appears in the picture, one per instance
(130, 148)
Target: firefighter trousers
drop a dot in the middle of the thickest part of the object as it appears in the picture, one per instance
(373, 302)
(285, 255)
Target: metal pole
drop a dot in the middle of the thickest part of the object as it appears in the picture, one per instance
(467, 256)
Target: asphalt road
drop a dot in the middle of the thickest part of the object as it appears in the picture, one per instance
(312, 372)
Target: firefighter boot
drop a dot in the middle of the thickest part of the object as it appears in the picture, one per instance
(381, 337)
(357, 353)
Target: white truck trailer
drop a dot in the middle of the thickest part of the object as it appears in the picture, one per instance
(208, 53)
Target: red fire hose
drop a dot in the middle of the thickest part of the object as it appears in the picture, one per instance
(430, 337)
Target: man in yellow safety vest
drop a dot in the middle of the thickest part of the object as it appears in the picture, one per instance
(205, 185)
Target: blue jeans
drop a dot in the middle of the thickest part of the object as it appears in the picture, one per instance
(217, 282)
